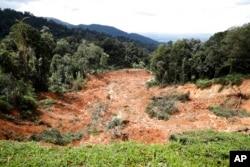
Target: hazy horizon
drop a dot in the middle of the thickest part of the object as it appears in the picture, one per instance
(147, 17)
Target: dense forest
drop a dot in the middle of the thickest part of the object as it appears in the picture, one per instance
(39, 55)
(224, 53)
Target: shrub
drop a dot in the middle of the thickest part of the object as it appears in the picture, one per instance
(203, 83)
(234, 79)
(140, 65)
(47, 103)
(5, 107)
(152, 83)
(183, 97)
(114, 123)
(54, 136)
(227, 112)
(160, 107)
(28, 103)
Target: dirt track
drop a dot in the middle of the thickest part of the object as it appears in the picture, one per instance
(123, 94)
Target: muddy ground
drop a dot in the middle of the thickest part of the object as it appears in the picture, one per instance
(123, 94)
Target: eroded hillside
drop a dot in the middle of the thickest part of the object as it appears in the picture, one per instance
(122, 95)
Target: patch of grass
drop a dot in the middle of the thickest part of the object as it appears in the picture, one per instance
(55, 137)
(47, 103)
(233, 79)
(211, 146)
(161, 107)
(228, 112)
(202, 148)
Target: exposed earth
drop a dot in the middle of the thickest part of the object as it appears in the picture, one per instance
(123, 94)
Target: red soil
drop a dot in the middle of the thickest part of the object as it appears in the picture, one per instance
(124, 94)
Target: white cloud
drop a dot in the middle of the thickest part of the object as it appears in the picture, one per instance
(158, 16)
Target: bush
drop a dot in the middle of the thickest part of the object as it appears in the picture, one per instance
(140, 65)
(47, 103)
(152, 83)
(27, 103)
(161, 107)
(114, 123)
(227, 112)
(5, 107)
(203, 83)
(183, 97)
(233, 79)
(54, 136)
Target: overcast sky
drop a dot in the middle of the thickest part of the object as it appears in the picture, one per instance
(143, 16)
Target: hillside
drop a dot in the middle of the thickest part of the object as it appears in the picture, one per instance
(62, 29)
(123, 94)
(118, 33)
(112, 31)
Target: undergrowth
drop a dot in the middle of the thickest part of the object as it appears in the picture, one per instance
(162, 107)
(54, 136)
(47, 103)
(228, 112)
(233, 79)
(196, 148)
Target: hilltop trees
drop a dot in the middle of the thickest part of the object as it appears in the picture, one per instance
(188, 59)
(66, 68)
(172, 63)
(32, 61)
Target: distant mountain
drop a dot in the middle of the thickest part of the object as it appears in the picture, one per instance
(115, 32)
(174, 37)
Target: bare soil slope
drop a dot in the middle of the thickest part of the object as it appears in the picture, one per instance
(123, 94)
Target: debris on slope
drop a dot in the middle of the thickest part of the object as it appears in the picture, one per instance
(112, 108)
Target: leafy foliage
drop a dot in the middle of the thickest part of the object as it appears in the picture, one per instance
(232, 79)
(55, 137)
(161, 107)
(195, 148)
(224, 54)
(5, 107)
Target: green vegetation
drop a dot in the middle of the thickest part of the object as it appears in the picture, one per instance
(224, 56)
(161, 107)
(228, 112)
(55, 137)
(232, 79)
(152, 83)
(5, 107)
(197, 148)
(47, 103)
(115, 122)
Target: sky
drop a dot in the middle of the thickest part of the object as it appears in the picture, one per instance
(143, 16)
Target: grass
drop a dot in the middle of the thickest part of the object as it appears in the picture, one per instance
(197, 148)
(47, 103)
(233, 79)
(228, 112)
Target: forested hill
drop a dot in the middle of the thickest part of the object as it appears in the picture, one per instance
(61, 29)
(115, 32)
